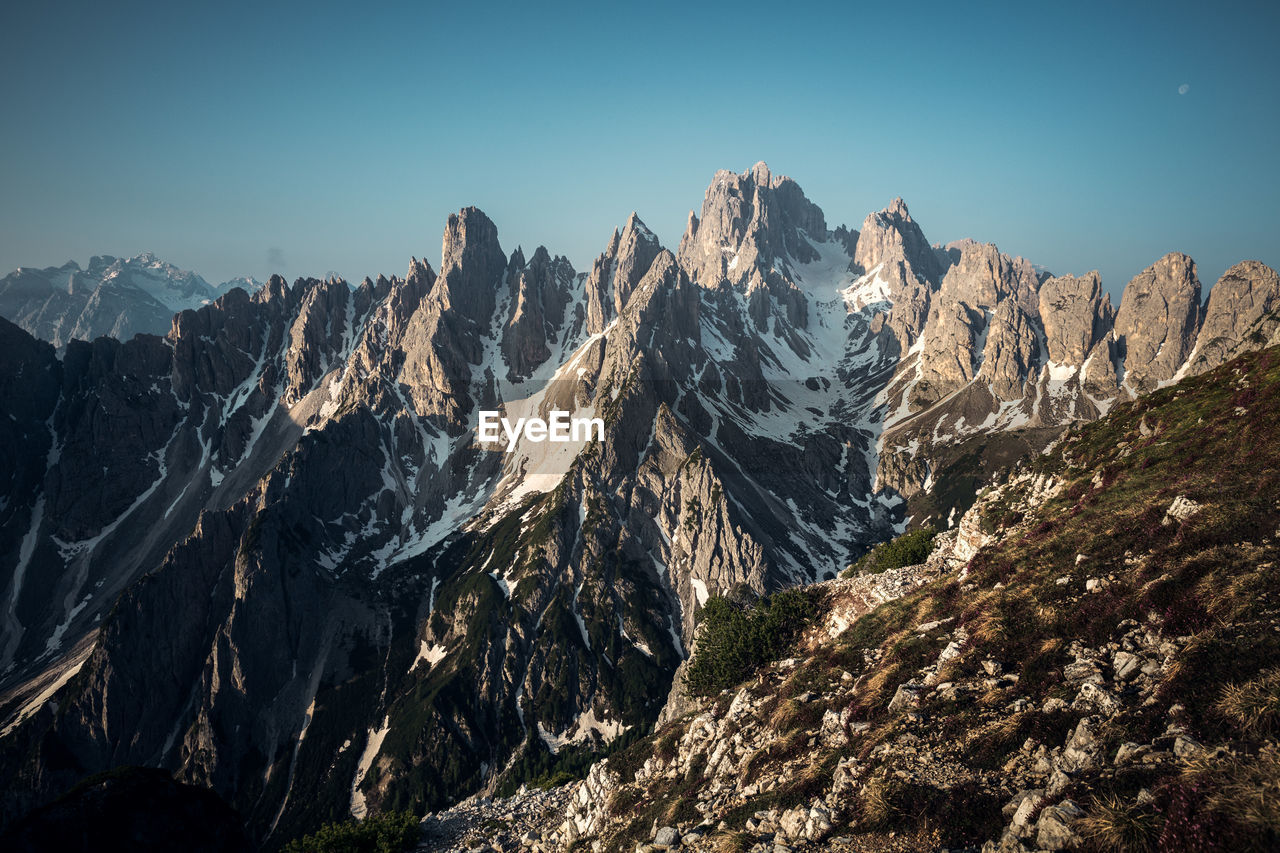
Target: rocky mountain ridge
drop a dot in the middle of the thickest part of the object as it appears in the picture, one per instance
(265, 552)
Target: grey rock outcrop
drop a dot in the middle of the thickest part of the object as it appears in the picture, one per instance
(443, 341)
(748, 222)
(1076, 316)
(1157, 322)
(752, 227)
(540, 294)
(1241, 298)
(617, 271)
(1099, 371)
(1010, 356)
(892, 246)
(957, 339)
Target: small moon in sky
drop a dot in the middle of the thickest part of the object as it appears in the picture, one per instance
(1184, 88)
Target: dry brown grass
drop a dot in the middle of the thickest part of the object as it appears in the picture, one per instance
(784, 717)
(876, 803)
(926, 610)
(1005, 729)
(877, 687)
(1246, 788)
(1051, 645)
(734, 842)
(1241, 576)
(989, 629)
(1254, 706)
(1113, 823)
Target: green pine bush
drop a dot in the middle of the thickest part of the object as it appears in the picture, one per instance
(390, 832)
(736, 639)
(909, 549)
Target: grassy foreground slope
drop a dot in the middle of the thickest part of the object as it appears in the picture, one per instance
(1103, 673)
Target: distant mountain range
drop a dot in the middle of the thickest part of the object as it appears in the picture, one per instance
(266, 552)
(116, 297)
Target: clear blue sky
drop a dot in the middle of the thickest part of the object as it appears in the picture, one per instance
(302, 138)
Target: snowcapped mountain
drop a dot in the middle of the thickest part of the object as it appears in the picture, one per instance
(267, 551)
(117, 297)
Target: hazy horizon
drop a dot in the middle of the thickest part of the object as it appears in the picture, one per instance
(303, 140)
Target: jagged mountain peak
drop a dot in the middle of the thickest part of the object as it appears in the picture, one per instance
(750, 223)
(540, 295)
(148, 258)
(635, 232)
(468, 230)
(690, 228)
(276, 288)
(1076, 316)
(893, 215)
(892, 248)
(171, 274)
(541, 257)
(636, 225)
(891, 236)
(100, 262)
(471, 266)
(517, 261)
(982, 275)
(616, 272)
(112, 296)
(419, 270)
(245, 282)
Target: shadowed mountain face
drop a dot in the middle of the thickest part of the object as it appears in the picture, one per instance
(131, 810)
(267, 553)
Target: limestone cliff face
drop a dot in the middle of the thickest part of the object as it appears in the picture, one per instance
(892, 247)
(617, 271)
(892, 235)
(748, 222)
(540, 292)
(1246, 293)
(443, 341)
(1157, 322)
(753, 226)
(1076, 316)
(317, 335)
(142, 435)
(1010, 356)
(957, 342)
(1099, 372)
